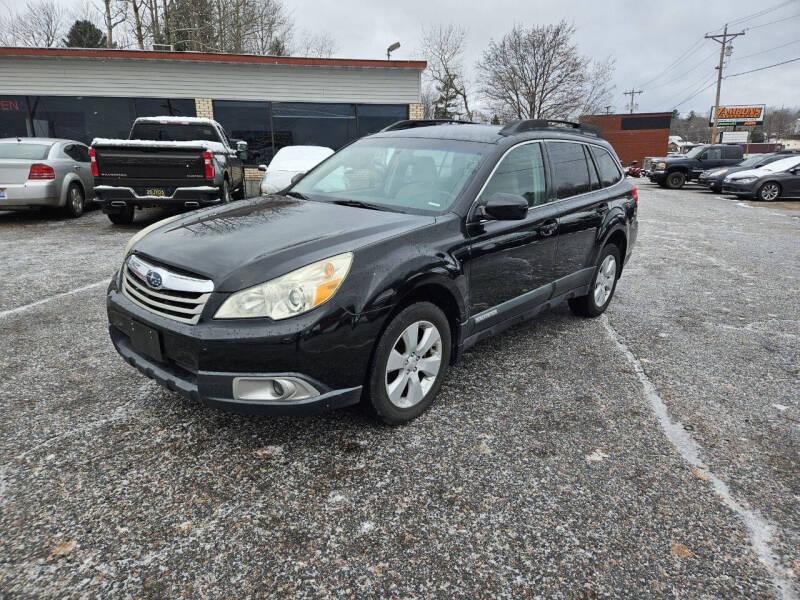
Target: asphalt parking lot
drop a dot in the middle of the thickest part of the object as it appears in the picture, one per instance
(654, 452)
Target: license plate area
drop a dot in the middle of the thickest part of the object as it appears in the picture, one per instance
(146, 340)
(159, 192)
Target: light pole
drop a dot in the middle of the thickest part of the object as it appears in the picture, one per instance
(391, 49)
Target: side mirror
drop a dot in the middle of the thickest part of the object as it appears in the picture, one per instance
(262, 167)
(241, 146)
(297, 177)
(506, 207)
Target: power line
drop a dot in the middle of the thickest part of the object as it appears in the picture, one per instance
(768, 50)
(685, 73)
(700, 91)
(773, 22)
(763, 68)
(723, 41)
(760, 13)
(675, 63)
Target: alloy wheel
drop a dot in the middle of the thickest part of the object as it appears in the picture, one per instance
(75, 200)
(413, 364)
(604, 283)
(770, 191)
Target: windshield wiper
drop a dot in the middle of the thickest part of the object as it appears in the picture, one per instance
(359, 204)
(294, 194)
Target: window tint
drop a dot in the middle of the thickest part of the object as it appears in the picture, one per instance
(570, 172)
(733, 152)
(521, 172)
(712, 154)
(24, 150)
(173, 132)
(307, 124)
(609, 173)
(248, 121)
(374, 117)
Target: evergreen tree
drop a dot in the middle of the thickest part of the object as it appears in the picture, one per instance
(84, 34)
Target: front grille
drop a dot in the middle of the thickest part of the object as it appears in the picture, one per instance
(180, 305)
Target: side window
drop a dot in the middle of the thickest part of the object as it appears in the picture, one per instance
(732, 152)
(712, 154)
(570, 172)
(609, 173)
(71, 150)
(82, 153)
(521, 172)
(593, 178)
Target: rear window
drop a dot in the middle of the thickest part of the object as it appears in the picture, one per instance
(173, 132)
(24, 151)
(609, 173)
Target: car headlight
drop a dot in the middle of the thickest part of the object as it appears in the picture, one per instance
(718, 173)
(744, 180)
(661, 165)
(129, 246)
(289, 295)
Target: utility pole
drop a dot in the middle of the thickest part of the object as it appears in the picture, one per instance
(608, 109)
(723, 41)
(632, 93)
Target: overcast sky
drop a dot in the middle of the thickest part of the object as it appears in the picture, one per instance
(644, 37)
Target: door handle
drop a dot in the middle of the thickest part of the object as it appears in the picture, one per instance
(548, 229)
(77, 167)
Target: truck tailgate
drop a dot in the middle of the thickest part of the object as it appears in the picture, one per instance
(131, 163)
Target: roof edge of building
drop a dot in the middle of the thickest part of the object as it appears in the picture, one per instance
(298, 61)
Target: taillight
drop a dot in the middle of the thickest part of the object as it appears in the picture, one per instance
(208, 161)
(39, 171)
(93, 157)
(635, 194)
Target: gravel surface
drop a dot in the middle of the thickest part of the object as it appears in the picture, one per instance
(544, 469)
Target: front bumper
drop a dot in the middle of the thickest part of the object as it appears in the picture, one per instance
(658, 176)
(116, 197)
(713, 183)
(739, 189)
(29, 194)
(329, 348)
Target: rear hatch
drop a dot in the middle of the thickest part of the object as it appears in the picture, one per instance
(156, 163)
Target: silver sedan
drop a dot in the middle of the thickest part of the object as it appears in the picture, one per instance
(45, 172)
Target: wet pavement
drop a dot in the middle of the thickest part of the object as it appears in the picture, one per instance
(653, 452)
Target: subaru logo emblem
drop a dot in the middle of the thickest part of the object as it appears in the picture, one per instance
(154, 280)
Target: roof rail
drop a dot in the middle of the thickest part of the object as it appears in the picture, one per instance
(522, 125)
(411, 123)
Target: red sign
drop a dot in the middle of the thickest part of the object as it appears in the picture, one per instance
(9, 105)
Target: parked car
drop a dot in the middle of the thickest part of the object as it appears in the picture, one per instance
(713, 178)
(443, 235)
(674, 172)
(168, 162)
(779, 179)
(45, 172)
(289, 162)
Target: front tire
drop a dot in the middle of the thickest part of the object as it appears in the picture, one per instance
(409, 363)
(676, 180)
(603, 286)
(769, 192)
(76, 200)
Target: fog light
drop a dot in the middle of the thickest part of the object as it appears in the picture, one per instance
(272, 389)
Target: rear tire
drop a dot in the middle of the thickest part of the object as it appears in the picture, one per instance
(76, 200)
(676, 180)
(123, 216)
(225, 192)
(769, 192)
(409, 364)
(602, 287)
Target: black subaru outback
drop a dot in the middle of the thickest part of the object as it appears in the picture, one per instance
(367, 278)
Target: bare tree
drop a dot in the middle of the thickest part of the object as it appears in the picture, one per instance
(428, 99)
(599, 86)
(41, 24)
(114, 14)
(443, 48)
(321, 45)
(537, 73)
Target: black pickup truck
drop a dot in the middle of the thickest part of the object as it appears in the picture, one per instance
(674, 171)
(169, 162)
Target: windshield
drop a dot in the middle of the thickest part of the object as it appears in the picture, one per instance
(695, 151)
(24, 151)
(749, 162)
(404, 174)
(173, 132)
(782, 165)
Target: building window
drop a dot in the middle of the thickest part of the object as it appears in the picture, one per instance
(248, 121)
(159, 107)
(374, 117)
(13, 116)
(311, 124)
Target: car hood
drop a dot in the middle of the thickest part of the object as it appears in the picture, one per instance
(746, 173)
(255, 240)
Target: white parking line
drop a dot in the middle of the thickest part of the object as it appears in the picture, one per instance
(19, 309)
(759, 530)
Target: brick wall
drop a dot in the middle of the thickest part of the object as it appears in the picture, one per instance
(204, 108)
(416, 111)
(631, 144)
